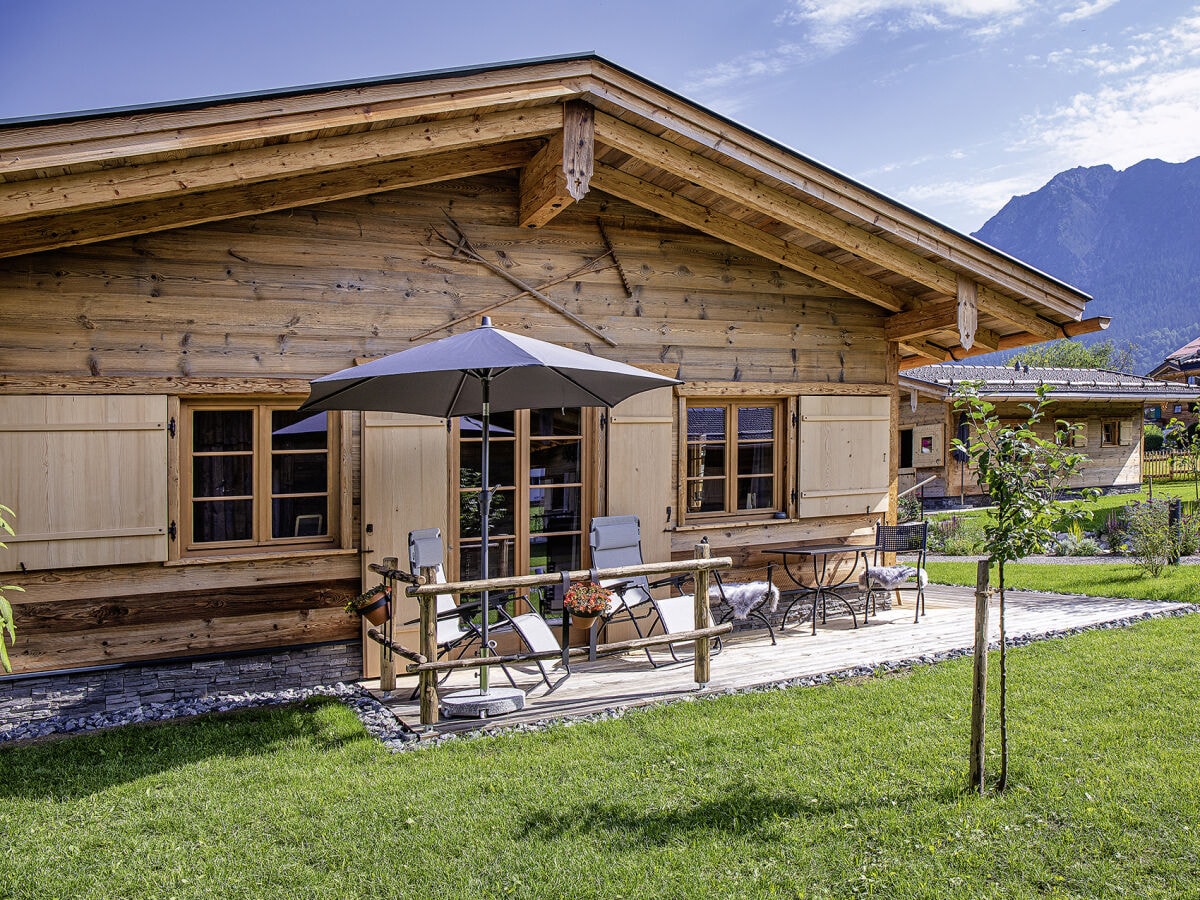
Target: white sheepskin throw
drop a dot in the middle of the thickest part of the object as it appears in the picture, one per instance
(890, 577)
(745, 598)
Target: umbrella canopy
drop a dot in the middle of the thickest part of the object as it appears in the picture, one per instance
(446, 378)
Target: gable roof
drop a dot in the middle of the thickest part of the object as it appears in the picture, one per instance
(569, 124)
(1011, 383)
(1185, 359)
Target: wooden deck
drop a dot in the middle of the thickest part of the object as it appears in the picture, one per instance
(749, 659)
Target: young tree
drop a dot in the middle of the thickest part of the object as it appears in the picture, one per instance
(1023, 474)
(1180, 439)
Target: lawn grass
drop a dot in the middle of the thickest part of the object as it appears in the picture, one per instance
(849, 790)
(1120, 580)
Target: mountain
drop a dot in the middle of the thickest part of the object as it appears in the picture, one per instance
(1131, 239)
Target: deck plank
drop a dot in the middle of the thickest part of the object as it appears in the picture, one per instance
(749, 660)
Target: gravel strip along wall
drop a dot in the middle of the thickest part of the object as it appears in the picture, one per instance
(397, 736)
(69, 702)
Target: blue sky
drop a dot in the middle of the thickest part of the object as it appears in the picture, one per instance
(949, 106)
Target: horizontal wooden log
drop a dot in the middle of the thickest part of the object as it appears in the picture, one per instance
(658, 640)
(399, 649)
(527, 581)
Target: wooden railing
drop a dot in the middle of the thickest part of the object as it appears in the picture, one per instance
(425, 664)
(1167, 465)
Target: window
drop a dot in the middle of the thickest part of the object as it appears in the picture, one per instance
(539, 466)
(906, 448)
(1110, 434)
(1153, 412)
(255, 475)
(1178, 407)
(733, 457)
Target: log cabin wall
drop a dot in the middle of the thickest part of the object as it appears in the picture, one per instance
(1114, 452)
(257, 306)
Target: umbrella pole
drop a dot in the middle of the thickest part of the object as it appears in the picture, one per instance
(485, 512)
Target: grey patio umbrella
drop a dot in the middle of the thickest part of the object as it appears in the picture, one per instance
(479, 372)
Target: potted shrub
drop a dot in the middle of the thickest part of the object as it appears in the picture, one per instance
(374, 605)
(586, 600)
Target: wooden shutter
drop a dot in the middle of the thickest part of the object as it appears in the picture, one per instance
(843, 465)
(1125, 433)
(639, 482)
(87, 478)
(405, 486)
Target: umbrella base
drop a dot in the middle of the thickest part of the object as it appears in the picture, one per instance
(477, 704)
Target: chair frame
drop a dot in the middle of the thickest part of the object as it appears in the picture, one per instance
(906, 538)
(519, 623)
(622, 588)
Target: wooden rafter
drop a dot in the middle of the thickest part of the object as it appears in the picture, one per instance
(165, 180)
(773, 202)
(726, 228)
(73, 229)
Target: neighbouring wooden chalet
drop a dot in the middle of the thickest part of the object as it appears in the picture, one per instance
(171, 278)
(1107, 404)
(1181, 367)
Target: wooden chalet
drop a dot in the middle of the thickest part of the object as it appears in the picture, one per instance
(1108, 405)
(1182, 367)
(172, 277)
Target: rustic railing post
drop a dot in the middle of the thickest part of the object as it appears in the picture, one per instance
(979, 679)
(427, 681)
(387, 660)
(703, 551)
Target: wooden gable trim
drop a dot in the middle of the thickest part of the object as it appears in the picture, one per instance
(772, 202)
(164, 180)
(725, 228)
(72, 229)
(623, 92)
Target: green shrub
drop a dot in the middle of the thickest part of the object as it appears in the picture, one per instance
(1150, 540)
(909, 509)
(1152, 438)
(957, 536)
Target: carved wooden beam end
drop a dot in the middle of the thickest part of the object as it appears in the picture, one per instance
(561, 172)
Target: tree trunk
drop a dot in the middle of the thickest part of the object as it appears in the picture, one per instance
(1003, 780)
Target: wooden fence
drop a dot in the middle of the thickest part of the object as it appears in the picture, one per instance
(1167, 465)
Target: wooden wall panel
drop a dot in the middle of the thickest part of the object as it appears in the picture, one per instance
(267, 302)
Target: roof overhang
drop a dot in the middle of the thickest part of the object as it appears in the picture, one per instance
(569, 125)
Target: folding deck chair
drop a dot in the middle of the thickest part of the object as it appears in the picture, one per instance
(455, 623)
(617, 541)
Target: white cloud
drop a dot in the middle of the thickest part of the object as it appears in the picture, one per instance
(1151, 115)
(834, 24)
(1085, 11)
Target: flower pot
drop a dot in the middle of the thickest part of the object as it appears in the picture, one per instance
(377, 608)
(582, 621)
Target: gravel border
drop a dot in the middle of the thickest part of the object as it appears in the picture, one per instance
(398, 737)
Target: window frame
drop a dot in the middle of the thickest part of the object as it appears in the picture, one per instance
(781, 473)
(262, 543)
(521, 490)
(1105, 426)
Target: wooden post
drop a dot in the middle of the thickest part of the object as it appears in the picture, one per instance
(703, 551)
(979, 681)
(387, 661)
(427, 681)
